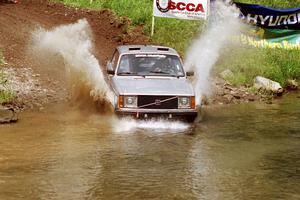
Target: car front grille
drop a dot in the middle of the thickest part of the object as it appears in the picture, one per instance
(157, 102)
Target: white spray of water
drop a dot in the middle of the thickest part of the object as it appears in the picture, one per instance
(155, 125)
(204, 52)
(73, 43)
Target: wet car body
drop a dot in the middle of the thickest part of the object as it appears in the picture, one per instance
(150, 81)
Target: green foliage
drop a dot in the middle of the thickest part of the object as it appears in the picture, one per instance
(5, 94)
(82, 3)
(138, 11)
(175, 33)
(6, 97)
(171, 32)
(246, 62)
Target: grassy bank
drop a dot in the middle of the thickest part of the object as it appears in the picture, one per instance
(170, 32)
(5, 95)
(245, 62)
(248, 62)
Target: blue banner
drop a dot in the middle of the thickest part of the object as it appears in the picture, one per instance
(271, 18)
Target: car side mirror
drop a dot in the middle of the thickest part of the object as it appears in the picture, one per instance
(110, 70)
(190, 73)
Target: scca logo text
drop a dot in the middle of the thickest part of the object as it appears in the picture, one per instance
(181, 6)
(191, 7)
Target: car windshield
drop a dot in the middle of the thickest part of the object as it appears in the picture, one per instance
(150, 65)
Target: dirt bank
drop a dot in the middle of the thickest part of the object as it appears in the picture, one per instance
(17, 21)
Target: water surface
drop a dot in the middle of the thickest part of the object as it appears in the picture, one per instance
(249, 151)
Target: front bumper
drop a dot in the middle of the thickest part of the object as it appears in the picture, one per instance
(189, 114)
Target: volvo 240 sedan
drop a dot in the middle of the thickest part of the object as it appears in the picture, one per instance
(150, 81)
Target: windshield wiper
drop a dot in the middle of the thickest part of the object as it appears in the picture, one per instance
(127, 73)
(159, 72)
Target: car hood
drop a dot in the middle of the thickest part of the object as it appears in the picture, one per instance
(152, 86)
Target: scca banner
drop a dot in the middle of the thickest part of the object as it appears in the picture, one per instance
(181, 9)
(287, 18)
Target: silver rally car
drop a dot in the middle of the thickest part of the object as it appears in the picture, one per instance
(150, 81)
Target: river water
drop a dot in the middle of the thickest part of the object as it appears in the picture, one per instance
(248, 151)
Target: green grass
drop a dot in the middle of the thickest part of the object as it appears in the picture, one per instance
(245, 62)
(6, 97)
(82, 3)
(5, 94)
(170, 32)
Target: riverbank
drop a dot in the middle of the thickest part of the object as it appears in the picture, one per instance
(31, 86)
(25, 90)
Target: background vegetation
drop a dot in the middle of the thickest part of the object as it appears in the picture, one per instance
(5, 95)
(245, 62)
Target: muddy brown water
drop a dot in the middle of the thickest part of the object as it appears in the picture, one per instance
(249, 151)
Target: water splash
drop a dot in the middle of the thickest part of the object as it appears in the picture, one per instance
(73, 44)
(127, 125)
(205, 50)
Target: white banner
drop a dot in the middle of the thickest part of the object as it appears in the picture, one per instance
(181, 9)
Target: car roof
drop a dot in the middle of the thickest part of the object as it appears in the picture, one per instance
(124, 49)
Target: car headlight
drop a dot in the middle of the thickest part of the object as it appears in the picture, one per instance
(130, 101)
(186, 102)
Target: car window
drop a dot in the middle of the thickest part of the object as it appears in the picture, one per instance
(124, 64)
(114, 60)
(150, 65)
